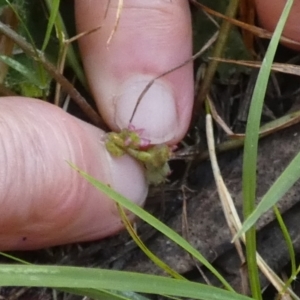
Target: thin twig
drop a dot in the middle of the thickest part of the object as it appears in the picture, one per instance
(228, 206)
(64, 52)
(118, 16)
(64, 82)
(231, 213)
(259, 32)
(195, 56)
(217, 52)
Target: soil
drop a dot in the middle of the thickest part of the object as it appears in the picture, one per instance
(206, 228)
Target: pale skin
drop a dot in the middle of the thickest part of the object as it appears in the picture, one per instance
(153, 158)
(270, 19)
(43, 201)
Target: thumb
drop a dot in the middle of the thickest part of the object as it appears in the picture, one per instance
(269, 12)
(151, 38)
(44, 202)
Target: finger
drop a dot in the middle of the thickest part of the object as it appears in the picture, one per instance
(45, 202)
(269, 13)
(151, 38)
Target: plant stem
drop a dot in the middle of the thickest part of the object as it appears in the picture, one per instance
(65, 83)
(217, 52)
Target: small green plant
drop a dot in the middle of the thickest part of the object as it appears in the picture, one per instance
(107, 284)
(153, 157)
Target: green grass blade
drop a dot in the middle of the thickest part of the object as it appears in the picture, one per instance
(22, 69)
(171, 234)
(13, 258)
(294, 276)
(283, 183)
(53, 15)
(157, 261)
(76, 278)
(105, 295)
(72, 58)
(42, 78)
(288, 240)
(15, 10)
(129, 295)
(95, 294)
(250, 149)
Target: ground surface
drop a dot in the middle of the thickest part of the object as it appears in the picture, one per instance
(206, 228)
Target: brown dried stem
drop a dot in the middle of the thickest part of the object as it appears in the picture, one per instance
(51, 69)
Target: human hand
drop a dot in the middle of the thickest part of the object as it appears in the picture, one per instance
(43, 201)
(269, 12)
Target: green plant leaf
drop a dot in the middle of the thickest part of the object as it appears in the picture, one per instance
(288, 239)
(161, 264)
(141, 213)
(105, 295)
(62, 33)
(251, 146)
(53, 15)
(22, 69)
(283, 183)
(80, 279)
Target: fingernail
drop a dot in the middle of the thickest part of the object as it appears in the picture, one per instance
(156, 113)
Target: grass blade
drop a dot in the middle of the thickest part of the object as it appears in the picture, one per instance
(80, 279)
(164, 229)
(105, 295)
(251, 145)
(283, 183)
(52, 18)
(62, 34)
(157, 261)
(22, 69)
(288, 239)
